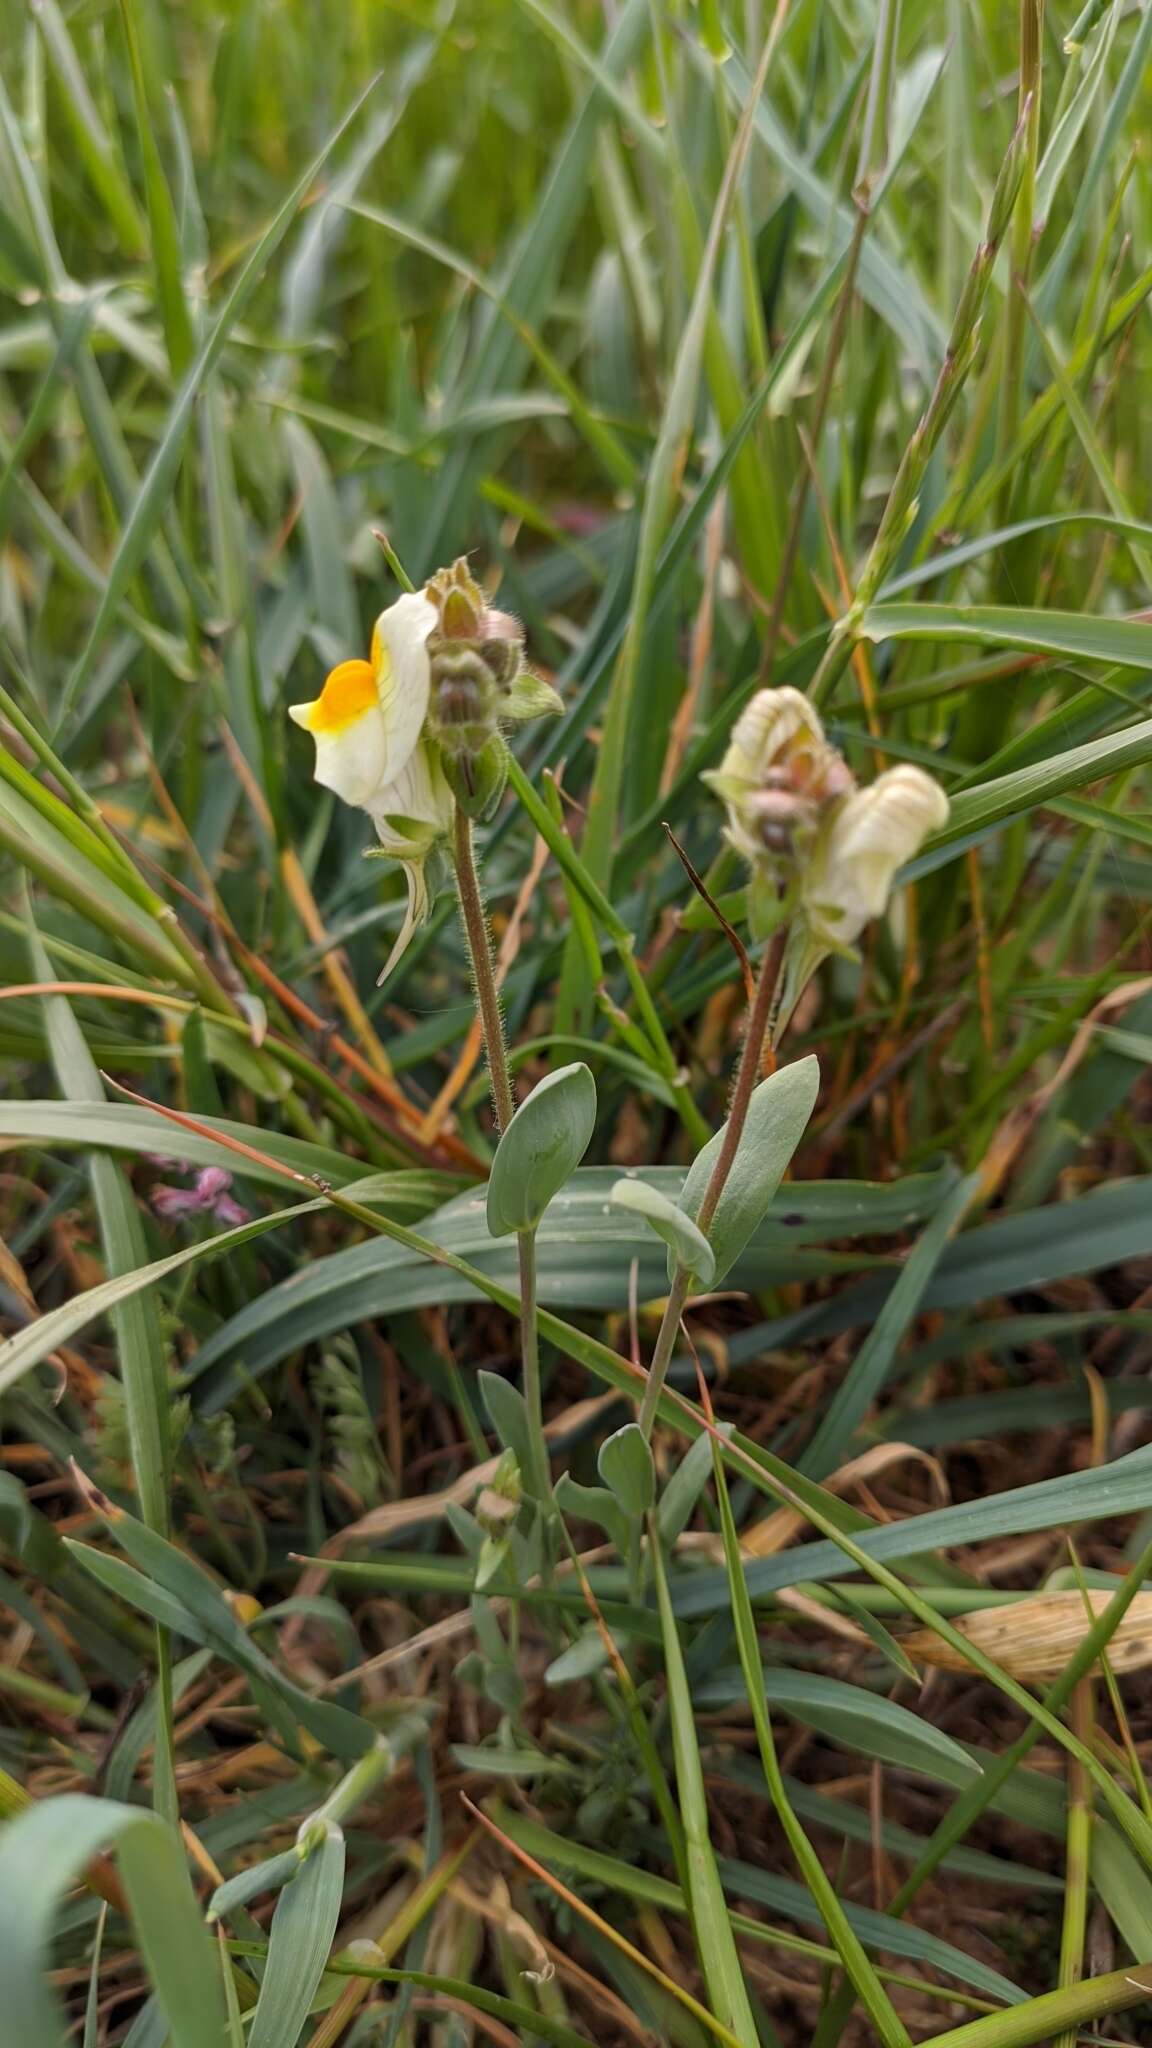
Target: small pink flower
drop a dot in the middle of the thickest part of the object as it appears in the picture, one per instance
(171, 1202)
(208, 1196)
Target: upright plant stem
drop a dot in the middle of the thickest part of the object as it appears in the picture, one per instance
(476, 933)
(747, 1075)
(530, 1359)
(479, 942)
(1077, 1858)
(662, 1351)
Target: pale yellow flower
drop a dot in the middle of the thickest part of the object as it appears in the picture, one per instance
(369, 715)
(367, 724)
(776, 775)
(861, 844)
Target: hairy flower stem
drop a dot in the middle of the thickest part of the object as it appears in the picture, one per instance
(476, 933)
(747, 1075)
(475, 922)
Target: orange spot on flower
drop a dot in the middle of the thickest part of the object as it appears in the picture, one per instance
(348, 693)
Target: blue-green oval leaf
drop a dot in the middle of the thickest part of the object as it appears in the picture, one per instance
(688, 1245)
(542, 1146)
(625, 1465)
(777, 1116)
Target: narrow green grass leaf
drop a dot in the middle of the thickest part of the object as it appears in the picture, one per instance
(598, 433)
(38, 1340)
(122, 1127)
(1127, 642)
(661, 484)
(1041, 2019)
(184, 1580)
(42, 1856)
(531, 2021)
(719, 1956)
(986, 804)
(860, 1721)
(951, 559)
(889, 2027)
(870, 1368)
(164, 233)
(780, 1894)
(1098, 167)
(528, 282)
(92, 139)
(577, 1212)
(156, 487)
(270, 1875)
(1066, 131)
(886, 285)
(1123, 1487)
(303, 1928)
(59, 849)
(73, 333)
(143, 1369)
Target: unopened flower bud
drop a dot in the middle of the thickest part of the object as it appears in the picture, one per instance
(499, 1502)
(477, 779)
(479, 684)
(459, 600)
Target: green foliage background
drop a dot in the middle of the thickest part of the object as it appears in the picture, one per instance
(511, 279)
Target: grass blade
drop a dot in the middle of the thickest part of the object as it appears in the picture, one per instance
(156, 486)
(719, 1957)
(42, 1855)
(303, 1928)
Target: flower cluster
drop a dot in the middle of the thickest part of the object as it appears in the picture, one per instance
(820, 849)
(414, 732)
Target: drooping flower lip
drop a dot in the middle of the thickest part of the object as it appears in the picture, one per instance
(866, 841)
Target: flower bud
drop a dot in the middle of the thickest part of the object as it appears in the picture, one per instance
(498, 1503)
(459, 600)
(478, 684)
(477, 779)
(476, 656)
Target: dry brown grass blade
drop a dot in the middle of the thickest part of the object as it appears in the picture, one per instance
(1009, 1139)
(781, 1528)
(1033, 1639)
(602, 1926)
(701, 647)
